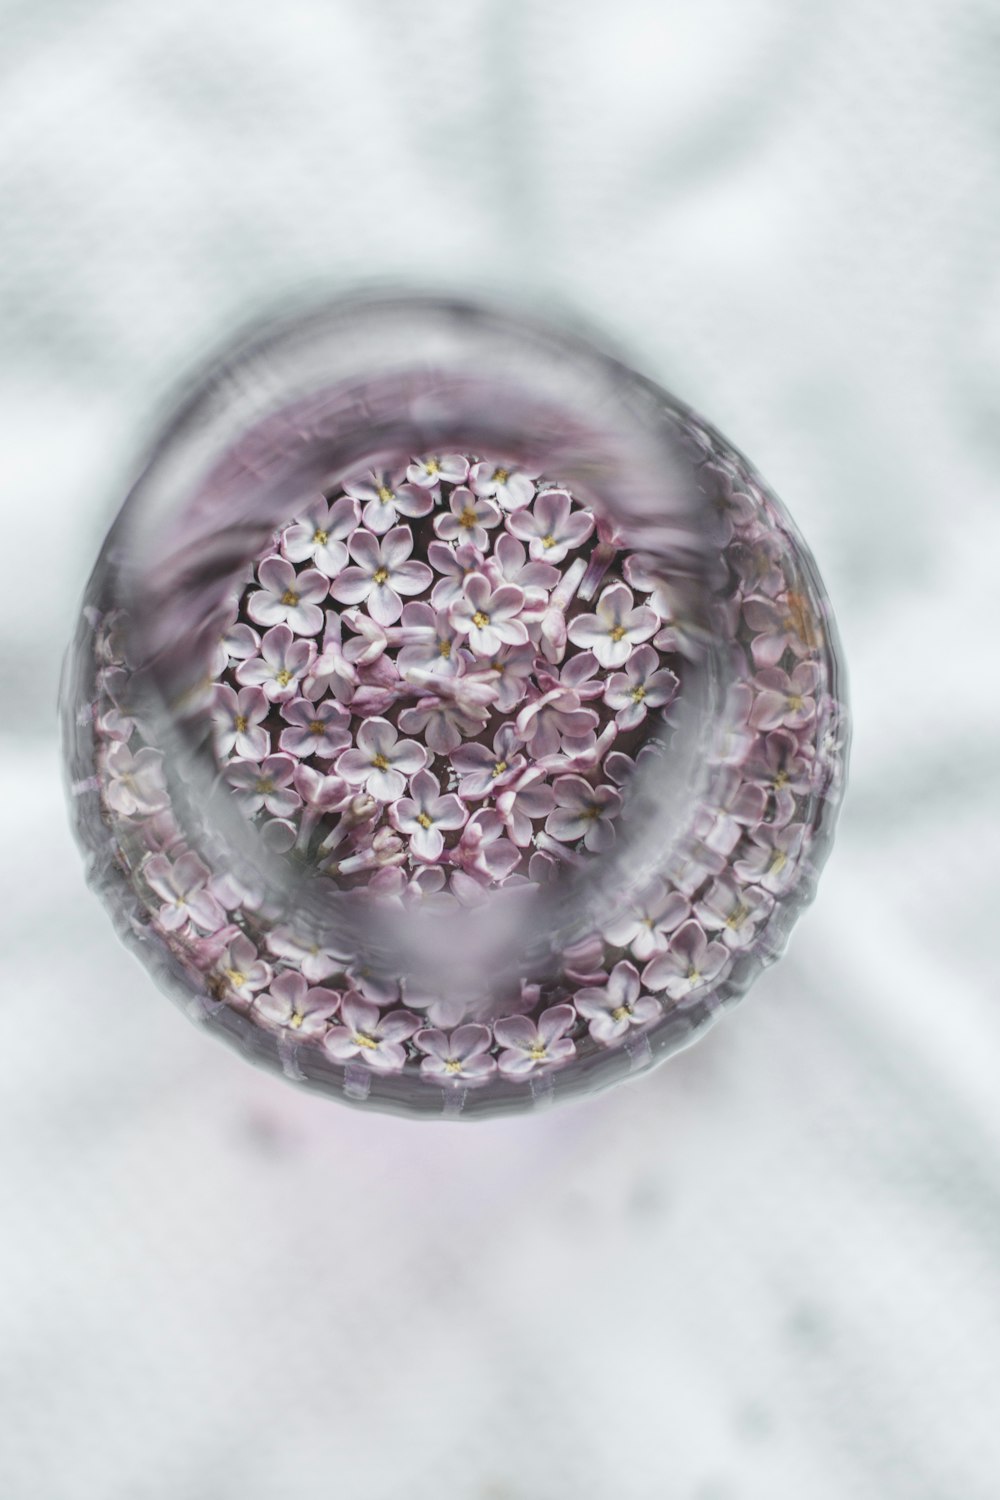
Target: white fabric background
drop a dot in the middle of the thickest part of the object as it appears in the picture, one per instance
(769, 1271)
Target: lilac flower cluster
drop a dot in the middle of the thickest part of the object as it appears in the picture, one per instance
(437, 682)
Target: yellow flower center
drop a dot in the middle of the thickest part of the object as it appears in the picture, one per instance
(480, 619)
(452, 1065)
(380, 763)
(362, 1039)
(501, 475)
(385, 495)
(444, 649)
(236, 979)
(432, 466)
(499, 768)
(283, 678)
(591, 812)
(425, 821)
(537, 1053)
(321, 538)
(693, 975)
(290, 597)
(620, 1012)
(780, 780)
(295, 1019)
(548, 541)
(380, 575)
(638, 693)
(795, 701)
(468, 518)
(265, 785)
(241, 723)
(778, 863)
(618, 633)
(316, 726)
(737, 916)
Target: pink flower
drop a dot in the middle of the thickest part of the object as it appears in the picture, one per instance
(290, 1005)
(264, 784)
(735, 913)
(551, 527)
(243, 970)
(615, 627)
(482, 852)
(652, 914)
(376, 1039)
(639, 688)
(320, 537)
(382, 574)
(135, 785)
(463, 1056)
(647, 574)
(780, 765)
(281, 665)
(238, 720)
(488, 617)
(288, 598)
(583, 812)
(773, 859)
(182, 887)
(732, 805)
(530, 1046)
(428, 472)
(783, 699)
(425, 814)
(509, 564)
(544, 721)
(513, 666)
(467, 519)
(482, 770)
(456, 564)
(382, 761)
(780, 625)
(689, 964)
(512, 488)
(529, 799)
(318, 729)
(314, 961)
(386, 499)
(616, 1007)
(431, 642)
(442, 720)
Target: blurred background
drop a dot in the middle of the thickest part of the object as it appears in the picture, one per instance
(771, 1269)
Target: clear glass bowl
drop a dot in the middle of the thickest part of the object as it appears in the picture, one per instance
(612, 810)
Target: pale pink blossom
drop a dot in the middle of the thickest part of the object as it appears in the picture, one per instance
(639, 688)
(291, 1005)
(333, 671)
(237, 720)
(484, 771)
(512, 487)
(730, 805)
(283, 662)
(482, 852)
(428, 472)
(288, 598)
(463, 1057)
(385, 499)
(546, 720)
(243, 970)
(781, 764)
(512, 666)
(384, 571)
(524, 803)
(315, 961)
(583, 812)
(455, 564)
(772, 859)
(442, 720)
(489, 617)
(382, 761)
(135, 785)
(690, 964)
(616, 1007)
(430, 641)
(509, 564)
(320, 535)
(264, 785)
(376, 1039)
(615, 627)
(780, 625)
(468, 519)
(785, 700)
(425, 816)
(652, 914)
(734, 912)
(183, 889)
(551, 526)
(318, 729)
(529, 1045)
